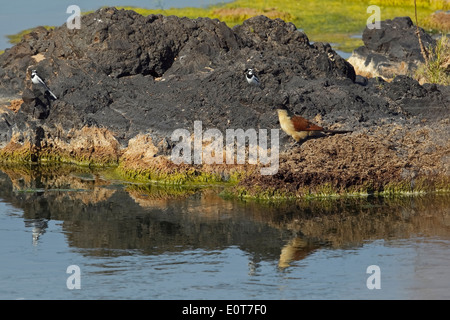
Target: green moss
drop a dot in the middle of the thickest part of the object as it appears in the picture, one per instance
(21, 156)
(191, 176)
(162, 192)
(328, 191)
(195, 177)
(257, 193)
(26, 156)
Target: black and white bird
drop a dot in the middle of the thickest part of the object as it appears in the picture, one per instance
(37, 80)
(251, 77)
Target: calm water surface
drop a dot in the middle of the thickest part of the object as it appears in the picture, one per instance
(142, 242)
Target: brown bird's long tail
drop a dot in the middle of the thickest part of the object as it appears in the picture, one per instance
(337, 131)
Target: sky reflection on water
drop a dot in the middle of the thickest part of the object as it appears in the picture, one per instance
(143, 243)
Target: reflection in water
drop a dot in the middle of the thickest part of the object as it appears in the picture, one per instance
(105, 217)
(296, 249)
(38, 228)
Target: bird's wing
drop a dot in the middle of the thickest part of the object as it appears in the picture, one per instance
(46, 87)
(301, 124)
(41, 82)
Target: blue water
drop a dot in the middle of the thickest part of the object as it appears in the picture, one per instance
(415, 268)
(130, 244)
(18, 15)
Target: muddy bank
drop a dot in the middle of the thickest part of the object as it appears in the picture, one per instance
(389, 160)
(125, 82)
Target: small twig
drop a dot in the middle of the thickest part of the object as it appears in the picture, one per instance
(422, 47)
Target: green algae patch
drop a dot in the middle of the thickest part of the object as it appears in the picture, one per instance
(152, 191)
(179, 175)
(189, 178)
(419, 186)
(25, 155)
(17, 153)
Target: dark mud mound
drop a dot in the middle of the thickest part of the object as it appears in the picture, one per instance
(125, 82)
(391, 50)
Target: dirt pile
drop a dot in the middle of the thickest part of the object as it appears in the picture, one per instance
(125, 82)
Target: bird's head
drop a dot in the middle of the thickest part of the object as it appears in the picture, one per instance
(33, 71)
(249, 72)
(280, 107)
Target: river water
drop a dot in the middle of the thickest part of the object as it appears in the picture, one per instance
(143, 242)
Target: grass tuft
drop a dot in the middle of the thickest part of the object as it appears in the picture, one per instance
(437, 70)
(437, 22)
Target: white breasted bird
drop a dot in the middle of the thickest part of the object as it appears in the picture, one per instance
(37, 80)
(251, 77)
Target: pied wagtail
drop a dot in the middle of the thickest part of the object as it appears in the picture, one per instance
(37, 80)
(251, 77)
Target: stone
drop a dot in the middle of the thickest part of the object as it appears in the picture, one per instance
(391, 50)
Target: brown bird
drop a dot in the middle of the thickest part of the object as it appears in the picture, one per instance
(300, 128)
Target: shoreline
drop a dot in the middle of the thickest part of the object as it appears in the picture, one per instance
(238, 182)
(225, 189)
(121, 98)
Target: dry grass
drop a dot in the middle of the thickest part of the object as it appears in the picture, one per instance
(241, 14)
(437, 21)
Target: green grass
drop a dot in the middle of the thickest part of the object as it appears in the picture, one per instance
(433, 4)
(437, 69)
(15, 38)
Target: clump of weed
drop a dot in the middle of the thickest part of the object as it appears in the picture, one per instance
(437, 22)
(437, 68)
(237, 15)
